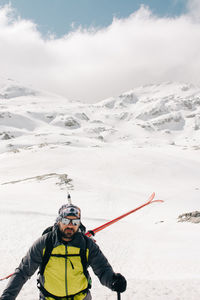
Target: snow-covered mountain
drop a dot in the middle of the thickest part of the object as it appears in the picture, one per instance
(111, 156)
(168, 113)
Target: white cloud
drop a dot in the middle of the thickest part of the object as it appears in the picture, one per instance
(194, 9)
(90, 65)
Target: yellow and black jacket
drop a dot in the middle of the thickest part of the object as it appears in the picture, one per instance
(65, 274)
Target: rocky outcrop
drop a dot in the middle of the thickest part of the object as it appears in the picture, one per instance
(193, 217)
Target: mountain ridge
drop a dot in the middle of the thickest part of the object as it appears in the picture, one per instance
(167, 113)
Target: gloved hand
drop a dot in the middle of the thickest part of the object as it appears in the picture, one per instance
(119, 283)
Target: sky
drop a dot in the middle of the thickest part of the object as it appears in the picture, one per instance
(59, 17)
(91, 50)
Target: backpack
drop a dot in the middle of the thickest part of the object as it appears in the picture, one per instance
(46, 257)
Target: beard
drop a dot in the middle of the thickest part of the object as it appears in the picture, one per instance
(67, 233)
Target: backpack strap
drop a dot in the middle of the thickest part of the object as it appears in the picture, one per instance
(84, 261)
(83, 255)
(47, 253)
(48, 229)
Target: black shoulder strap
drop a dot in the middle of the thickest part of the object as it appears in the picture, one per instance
(48, 229)
(82, 228)
(83, 254)
(84, 260)
(47, 253)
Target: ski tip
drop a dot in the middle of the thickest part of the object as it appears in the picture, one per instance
(152, 196)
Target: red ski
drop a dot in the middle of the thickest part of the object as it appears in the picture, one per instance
(150, 200)
(7, 277)
(92, 232)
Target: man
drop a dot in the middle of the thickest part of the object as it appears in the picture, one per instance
(63, 255)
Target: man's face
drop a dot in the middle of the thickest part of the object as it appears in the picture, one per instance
(67, 231)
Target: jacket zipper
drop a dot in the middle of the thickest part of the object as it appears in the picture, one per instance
(66, 271)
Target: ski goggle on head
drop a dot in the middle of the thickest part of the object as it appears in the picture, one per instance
(70, 210)
(74, 222)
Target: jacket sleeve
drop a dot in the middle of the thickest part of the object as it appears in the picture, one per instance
(100, 265)
(25, 270)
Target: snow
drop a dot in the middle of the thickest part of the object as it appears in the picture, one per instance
(124, 149)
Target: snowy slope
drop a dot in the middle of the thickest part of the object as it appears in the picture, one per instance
(115, 154)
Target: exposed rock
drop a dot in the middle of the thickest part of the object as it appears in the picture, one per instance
(167, 131)
(97, 121)
(6, 136)
(17, 91)
(197, 101)
(153, 110)
(197, 122)
(98, 129)
(108, 103)
(123, 115)
(193, 217)
(146, 126)
(71, 123)
(100, 137)
(82, 116)
(190, 116)
(173, 121)
(128, 98)
(64, 180)
(185, 88)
